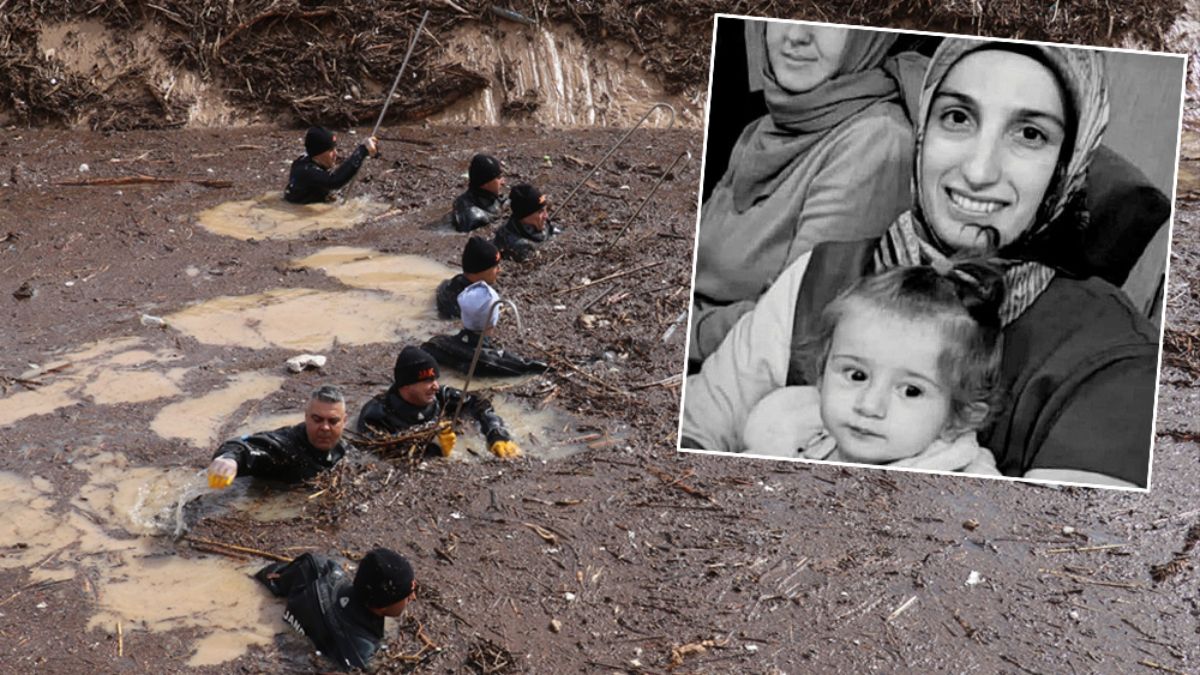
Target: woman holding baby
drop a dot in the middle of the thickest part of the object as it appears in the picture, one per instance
(1004, 136)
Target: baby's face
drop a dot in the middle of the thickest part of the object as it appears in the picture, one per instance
(881, 395)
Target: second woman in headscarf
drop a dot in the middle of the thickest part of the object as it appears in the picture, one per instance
(828, 162)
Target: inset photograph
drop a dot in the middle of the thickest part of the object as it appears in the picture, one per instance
(932, 252)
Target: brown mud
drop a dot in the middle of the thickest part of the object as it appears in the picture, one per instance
(603, 550)
(621, 557)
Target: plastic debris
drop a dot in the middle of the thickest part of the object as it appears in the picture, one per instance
(974, 578)
(299, 363)
(151, 321)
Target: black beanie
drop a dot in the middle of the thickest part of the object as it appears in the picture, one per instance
(414, 365)
(318, 140)
(483, 169)
(384, 578)
(479, 255)
(525, 200)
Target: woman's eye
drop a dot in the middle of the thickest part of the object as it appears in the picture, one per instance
(913, 391)
(955, 119)
(1032, 137)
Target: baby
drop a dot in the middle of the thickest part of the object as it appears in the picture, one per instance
(906, 364)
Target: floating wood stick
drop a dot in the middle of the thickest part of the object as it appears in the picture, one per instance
(901, 609)
(120, 640)
(142, 179)
(608, 278)
(235, 548)
(1084, 549)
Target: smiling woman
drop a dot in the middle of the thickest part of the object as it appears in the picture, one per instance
(1006, 133)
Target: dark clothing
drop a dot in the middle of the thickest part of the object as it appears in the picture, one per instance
(1078, 368)
(456, 351)
(310, 182)
(322, 604)
(474, 209)
(387, 413)
(518, 241)
(284, 455)
(447, 296)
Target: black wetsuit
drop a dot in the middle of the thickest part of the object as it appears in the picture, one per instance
(388, 413)
(447, 296)
(310, 182)
(456, 351)
(474, 209)
(322, 604)
(284, 455)
(518, 241)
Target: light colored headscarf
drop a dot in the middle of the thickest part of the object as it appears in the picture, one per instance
(1081, 73)
(796, 122)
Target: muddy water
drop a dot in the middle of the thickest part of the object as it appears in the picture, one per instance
(573, 83)
(139, 582)
(198, 420)
(108, 372)
(268, 216)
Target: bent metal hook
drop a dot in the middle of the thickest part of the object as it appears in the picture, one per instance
(479, 348)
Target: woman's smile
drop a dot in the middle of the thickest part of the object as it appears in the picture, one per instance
(974, 206)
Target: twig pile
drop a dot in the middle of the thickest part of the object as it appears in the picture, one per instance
(330, 62)
(406, 445)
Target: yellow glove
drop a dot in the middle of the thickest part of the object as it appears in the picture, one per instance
(221, 473)
(445, 439)
(505, 450)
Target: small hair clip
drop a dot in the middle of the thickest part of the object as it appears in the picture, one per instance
(942, 266)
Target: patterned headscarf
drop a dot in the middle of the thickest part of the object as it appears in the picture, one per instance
(1081, 74)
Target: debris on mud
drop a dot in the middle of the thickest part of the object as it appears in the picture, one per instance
(330, 62)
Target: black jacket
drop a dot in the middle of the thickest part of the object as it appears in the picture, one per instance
(388, 413)
(284, 454)
(322, 604)
(447, 296)
(310, 182)
(456, 351)
(519, 242)
(474, 209)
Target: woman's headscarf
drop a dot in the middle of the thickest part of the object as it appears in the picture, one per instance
(797, 121)
(1081, 75)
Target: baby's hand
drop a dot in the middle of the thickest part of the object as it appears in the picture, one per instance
(782, 421)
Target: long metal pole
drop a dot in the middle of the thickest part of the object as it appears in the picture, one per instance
(388, 101)
(558, 207)
(685, 153)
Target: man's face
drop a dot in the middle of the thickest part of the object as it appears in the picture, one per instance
(494, 185)
(537, 219)
(397, 608)
(324, 422)
(420, 393)
(327, 159)
(489, 275)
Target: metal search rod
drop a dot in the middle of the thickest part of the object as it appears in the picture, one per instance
(682, 155)
(388, 101)
(558, 207)
(479, 349)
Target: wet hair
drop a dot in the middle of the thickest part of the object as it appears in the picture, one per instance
(964, 297)
(327, 393)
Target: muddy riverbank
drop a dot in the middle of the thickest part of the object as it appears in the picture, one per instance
(618, 557)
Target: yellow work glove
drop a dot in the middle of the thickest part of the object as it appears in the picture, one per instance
(505, 450)
(445, 439)
(221, 473)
